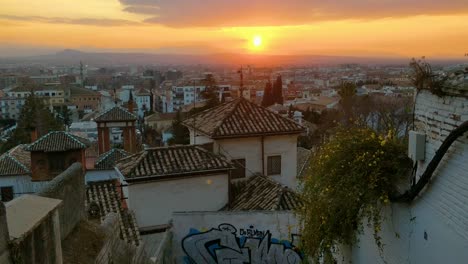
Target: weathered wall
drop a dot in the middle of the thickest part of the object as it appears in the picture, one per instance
(154, 202)
(235, 237)
(115, 250)
(69, 187)
(434, 228)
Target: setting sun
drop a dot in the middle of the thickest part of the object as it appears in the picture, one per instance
(257, 41)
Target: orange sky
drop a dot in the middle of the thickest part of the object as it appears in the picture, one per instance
(357, 28)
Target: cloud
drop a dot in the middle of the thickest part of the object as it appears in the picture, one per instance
(103, 22)
(215, 13)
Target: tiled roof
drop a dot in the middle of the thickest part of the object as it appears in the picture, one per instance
(16, 161)
(77, 91)
(58, 141)
(303, 159)
(105, 194)
(171, 162)
(260, 193)
(241, 118)
(109, 159)
(116, 113)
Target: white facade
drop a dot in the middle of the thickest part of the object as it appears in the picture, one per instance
(434, 227)
(154, 202)
(22, 184)
(143, 103)
(251, 148)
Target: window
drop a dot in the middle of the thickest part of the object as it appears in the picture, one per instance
(7, 193)
(239, 171)
(274, 165)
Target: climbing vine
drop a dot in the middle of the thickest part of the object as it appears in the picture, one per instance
(350, 180)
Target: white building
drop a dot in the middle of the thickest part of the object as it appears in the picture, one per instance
(15, 174)
(160, 181)
(143, 101)
(256, 140)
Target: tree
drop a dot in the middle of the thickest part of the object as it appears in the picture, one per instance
(278, 91)
(348, 93)
(180, 133)
(210, 94)
(267, 95)
(34, 116)
(64, 115)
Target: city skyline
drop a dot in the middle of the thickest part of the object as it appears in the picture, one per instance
(355, 28)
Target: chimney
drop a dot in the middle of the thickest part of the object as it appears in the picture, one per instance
(130, 103)
(33, 135)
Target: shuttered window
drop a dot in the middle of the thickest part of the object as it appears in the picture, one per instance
(274, 165)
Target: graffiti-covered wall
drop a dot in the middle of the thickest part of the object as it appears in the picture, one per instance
(236, 237)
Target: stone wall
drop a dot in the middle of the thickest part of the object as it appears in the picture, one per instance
(4, 236)
(434, 227)
(69, 187)
(236, 237)
(115, 250)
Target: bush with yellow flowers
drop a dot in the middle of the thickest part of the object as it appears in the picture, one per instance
(350, 179)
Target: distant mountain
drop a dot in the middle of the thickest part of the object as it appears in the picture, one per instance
(72, 57)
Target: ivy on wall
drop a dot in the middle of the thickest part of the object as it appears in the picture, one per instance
(350, 180)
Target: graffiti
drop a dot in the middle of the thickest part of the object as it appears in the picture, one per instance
(223, 245)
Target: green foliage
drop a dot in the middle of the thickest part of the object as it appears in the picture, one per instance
(347, 92)
(180, 133)
(278, 91)
(351, 178)
(34, 116)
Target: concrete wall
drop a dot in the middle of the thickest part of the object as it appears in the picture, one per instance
(250, 149)
(434, 228)
(236, 237)
(115, 250)
(154, 202)
(69, 187)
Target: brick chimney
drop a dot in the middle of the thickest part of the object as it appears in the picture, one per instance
(33, 135)
(130, 105)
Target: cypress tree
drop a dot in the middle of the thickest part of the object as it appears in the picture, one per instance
(267, 95)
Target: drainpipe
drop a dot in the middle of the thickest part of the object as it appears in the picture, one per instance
(262, 138)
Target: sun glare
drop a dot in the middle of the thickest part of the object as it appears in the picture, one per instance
(257, 41)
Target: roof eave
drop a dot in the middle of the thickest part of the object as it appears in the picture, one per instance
(258, 134)
(174, 176)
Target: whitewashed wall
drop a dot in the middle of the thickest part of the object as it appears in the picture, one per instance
(154, 202)
(434, 228)
(22, 184)
(250, 149)
(235, 237)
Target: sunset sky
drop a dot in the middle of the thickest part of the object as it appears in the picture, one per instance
(409, 28)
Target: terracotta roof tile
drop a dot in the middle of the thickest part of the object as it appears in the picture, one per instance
(105, 194)
(58, 141)
(16, 161)
(116, 113)
(108, 160)
(171, 161)
(241, 118)
(260, 193)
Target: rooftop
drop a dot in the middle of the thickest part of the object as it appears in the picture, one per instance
(105, 194)
(116, 113)
(17, 161)
(58, 141)
(171, 162)
(79, 91)
(240, 118)
(261, 193)
(107, 160)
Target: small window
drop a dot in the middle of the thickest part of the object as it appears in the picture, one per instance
(7, 193)
(274, 165)
(239, 171)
